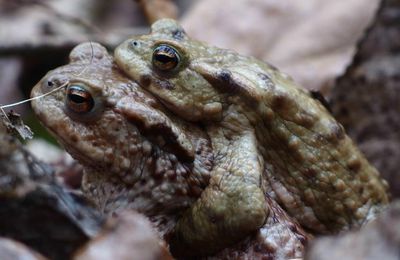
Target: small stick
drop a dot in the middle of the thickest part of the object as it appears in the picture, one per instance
(34, 98)
(48, 93)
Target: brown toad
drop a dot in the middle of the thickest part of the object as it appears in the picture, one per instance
(267, 135)
(138, 155)
(122, 135)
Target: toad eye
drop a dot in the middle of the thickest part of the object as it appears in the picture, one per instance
(78, 99)
(165, 57)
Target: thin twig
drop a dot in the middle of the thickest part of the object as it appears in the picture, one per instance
(34, 98)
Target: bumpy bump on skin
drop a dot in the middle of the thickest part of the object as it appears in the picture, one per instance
(315, 170)
(220, 148)
(125, 165)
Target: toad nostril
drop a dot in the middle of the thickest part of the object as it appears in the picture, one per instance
(50, 83)
(134, 44)
(54, 81)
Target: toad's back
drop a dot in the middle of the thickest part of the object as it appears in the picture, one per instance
(310, 165)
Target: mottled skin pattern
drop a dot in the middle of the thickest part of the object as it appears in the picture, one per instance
(123, 142)
(267, 134)
(138, 155)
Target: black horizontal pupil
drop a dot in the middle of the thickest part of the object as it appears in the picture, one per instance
(76, 98)
(164, 57)
(77, 94)
(79, 99)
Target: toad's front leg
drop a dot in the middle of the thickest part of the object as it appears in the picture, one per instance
(233, 204)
